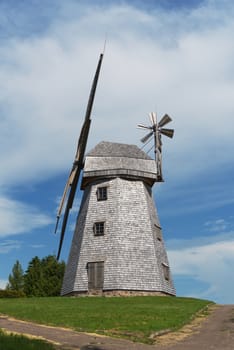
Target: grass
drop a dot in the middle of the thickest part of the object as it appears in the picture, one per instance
(131, 317)
(17, 342)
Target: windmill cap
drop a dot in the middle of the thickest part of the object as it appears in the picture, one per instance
(113, 149)
(109, 160)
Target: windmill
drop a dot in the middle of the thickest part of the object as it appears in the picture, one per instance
(71, 185)
(156, 130)
(117, 246)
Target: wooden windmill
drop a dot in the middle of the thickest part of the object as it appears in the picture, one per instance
(117, 246)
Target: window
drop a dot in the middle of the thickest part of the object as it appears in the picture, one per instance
(95, 275)
(99, 228)
(102, 193)
(158, 232)
(166, 271)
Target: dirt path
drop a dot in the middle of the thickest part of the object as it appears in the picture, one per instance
(216, 332)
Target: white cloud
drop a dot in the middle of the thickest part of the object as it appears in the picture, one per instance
(9, 245)
(187, 72)
(17, 217)
(3, 284)
(210, 263)
(37, 246)
(217, 225)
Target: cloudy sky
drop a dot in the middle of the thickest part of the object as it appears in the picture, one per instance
(168, 56)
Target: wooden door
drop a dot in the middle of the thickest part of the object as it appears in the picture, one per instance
(95, 275)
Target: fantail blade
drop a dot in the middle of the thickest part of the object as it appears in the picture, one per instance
(165, 119)
(147, 137)
(153, 118)
(144, 126)
(167, 132)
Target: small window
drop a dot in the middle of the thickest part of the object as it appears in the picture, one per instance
(166, 271)
(99, 228)
(159, 236)
(158, 232)
(102, 193)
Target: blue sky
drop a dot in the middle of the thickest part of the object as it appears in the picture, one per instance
(172, 57)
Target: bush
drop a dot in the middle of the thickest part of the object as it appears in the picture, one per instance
(16, 342)
(7, 293)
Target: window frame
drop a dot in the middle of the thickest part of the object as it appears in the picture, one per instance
(102, 193)
(158, 232)
(166, 271)
(99, 228)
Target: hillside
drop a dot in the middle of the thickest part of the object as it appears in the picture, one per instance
(134, 318)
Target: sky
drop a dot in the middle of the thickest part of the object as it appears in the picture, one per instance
(174, 57)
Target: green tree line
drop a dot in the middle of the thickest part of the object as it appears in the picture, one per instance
(43, 277)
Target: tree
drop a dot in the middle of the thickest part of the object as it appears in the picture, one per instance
(16, 278)
(44, 277)
(33, 278)
(52, 272)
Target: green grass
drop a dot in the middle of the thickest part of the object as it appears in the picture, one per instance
(17, 342)
(132, 317)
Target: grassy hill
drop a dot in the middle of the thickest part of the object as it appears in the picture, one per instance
(131, 317)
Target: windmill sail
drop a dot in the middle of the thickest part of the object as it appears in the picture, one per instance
(73, 179)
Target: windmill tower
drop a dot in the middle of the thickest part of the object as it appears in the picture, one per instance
(117, 247)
